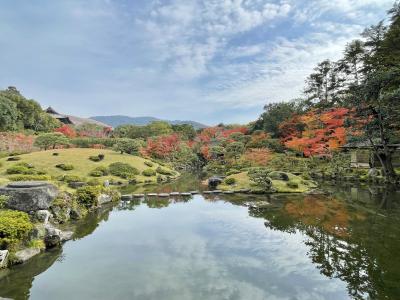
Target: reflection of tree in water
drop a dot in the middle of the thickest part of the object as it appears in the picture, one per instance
(358, 246)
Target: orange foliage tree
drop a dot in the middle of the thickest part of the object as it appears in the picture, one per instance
(67, 131)
(316, 132)
(162, 146)
(257, 156)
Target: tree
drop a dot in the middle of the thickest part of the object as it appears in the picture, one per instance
(351, 64)
(129, 146)
(185, 131)
(260, 177)
(66, 130)
(8, 115)
(377, 109)
(51, 140)
(274, 114)
(234, 150)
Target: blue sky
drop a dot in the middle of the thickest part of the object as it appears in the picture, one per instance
(206, 60)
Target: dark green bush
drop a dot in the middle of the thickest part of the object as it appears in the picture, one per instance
(95, 158)
(65, 167)
(88, 195)
(94, 182)
(148, 163)
(70, 178)
(149, 172)
(14, 158)
(292, 184)
(15, 226)
(3, 201)
(230, 181)
(22, 177)
(122, 170)
(99, 171)
(101, 156)
(20, 169)
(89, 142)
(164, 171)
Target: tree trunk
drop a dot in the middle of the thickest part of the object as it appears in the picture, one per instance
(387, 165)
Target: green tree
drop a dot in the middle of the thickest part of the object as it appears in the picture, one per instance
(51, 140)
(234, 150)
(9, 115)
(130, 146)
(159, 128)
(185, 131)
(352, 62)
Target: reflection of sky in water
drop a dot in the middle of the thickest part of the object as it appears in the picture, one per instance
(195, 250)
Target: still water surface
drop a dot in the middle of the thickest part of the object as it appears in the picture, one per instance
(344, 245)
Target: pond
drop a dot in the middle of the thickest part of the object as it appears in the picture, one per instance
(342, 245)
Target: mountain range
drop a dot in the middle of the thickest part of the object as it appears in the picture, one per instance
(118, 120)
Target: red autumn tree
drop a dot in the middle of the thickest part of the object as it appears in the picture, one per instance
(162, 146)
(66, 130)
(322, 133)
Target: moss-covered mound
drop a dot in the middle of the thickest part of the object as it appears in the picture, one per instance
(282, 182)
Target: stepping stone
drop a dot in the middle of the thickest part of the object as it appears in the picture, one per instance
(126, 197)
(216, 191)
(194, 192)
(228, 192)
(163, 195)
(138, 195)
(243, 191)
(175, 194)
(207, 192)
(186, 194)
(151, 195)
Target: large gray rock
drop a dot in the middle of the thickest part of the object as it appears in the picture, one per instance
(3, 259)
(29, 195)
(26, 254)
(104, 198)
(54, 237)
(214, 181)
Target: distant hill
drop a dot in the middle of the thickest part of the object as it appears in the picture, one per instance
(115, 121)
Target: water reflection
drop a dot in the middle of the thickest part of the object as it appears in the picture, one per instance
(208, 248)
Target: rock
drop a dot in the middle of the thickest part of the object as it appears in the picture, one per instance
(175, 194)
(3, 259)
(29, 195)
(38, 232)
(76, 184)
(106, 183)
(104, 198)
(61, 214)
(194, 192)
(228, 192)
(138, 195)
(43, 216)
(214, 181)
(216, 191)
(186, 194)
(372, 172)
(207, 192)
(152, 195)
(75, 214)
(52, 237)
(66, 236)
(163, 195)
(126, 197)
(26, 254)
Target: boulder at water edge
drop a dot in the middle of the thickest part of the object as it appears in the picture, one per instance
(29, 195)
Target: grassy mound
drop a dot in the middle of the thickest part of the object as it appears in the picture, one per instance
(83, 166)
(292, 184)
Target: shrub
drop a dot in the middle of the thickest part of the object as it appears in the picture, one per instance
(95, 158)
(56, 154)
(88, 195)
(149, 172)
(89, 142)
(14, 227)
(3, 201)
(232, 171)
(148, 163)
(122, 170)
(14, 158)
(292, 184)
(101, 156)
(20, 169)
(230, 181)
(277, 175)
(99, 171)
(22, 177)
(261, 178)
(94, 182)
(65, 167)
(164, 171)
(70, 178)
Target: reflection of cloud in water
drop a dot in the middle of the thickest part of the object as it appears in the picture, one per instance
(198, 250)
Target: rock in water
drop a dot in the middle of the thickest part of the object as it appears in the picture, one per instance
(29, 195)
(3, 259)
(23, 255)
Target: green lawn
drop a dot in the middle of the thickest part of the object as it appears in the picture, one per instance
(79, 158)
